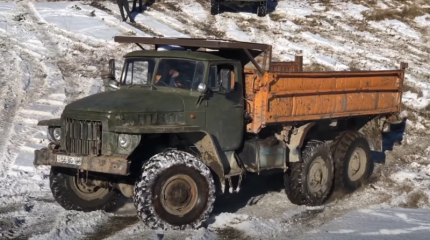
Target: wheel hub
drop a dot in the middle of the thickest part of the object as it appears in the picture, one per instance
(317, 177)
(87, 190)
(179, 194)
(357, 163)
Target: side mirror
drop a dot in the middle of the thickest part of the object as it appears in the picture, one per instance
(114, 84)
(226, 79)
(108, 77)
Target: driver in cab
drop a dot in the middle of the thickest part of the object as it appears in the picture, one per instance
(172, 77)
(176, 79)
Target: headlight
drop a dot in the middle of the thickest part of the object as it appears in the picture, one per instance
(57, 134)
(123, 140)
(54, 134)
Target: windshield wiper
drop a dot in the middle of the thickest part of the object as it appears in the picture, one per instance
(174, 90)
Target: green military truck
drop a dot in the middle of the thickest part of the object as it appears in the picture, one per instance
(187, 118)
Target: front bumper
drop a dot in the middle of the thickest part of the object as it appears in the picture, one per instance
(103, 164)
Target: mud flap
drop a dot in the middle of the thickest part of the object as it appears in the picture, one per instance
(373, 132)
(296, 142)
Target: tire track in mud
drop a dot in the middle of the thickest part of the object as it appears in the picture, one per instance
(79, 57)
(195, 28)
(24, 129)
(113, 225)
(231, 233)
(12, 95)
(23, 220)
(58, 56)
(20, 94)
(36, 78)
(37, 111)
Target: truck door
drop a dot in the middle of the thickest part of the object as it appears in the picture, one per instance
(225, 105)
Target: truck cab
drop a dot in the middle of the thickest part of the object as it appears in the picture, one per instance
(207, 89)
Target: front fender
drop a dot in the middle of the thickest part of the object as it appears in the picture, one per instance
(56, 122)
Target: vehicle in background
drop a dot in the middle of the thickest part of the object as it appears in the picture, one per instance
(260, 6)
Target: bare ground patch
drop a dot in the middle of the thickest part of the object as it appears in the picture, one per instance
(406, 12)
(416, 199)
(207, 28)
(231, 233)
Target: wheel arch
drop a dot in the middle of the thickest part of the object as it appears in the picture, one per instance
(296, 141)
(55, 122)
(199, 143)
(208, 151)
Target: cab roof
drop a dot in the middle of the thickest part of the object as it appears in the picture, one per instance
(202, 56)
(245, 52)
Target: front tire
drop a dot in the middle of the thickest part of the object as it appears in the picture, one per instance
(73, 194)
(175, 191)
(309, 182)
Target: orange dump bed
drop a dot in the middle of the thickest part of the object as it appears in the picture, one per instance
(289, 95)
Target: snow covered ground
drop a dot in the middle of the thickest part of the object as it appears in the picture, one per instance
(52, 53)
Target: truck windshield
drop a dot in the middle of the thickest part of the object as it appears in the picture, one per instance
(179, 73)
(138, 71)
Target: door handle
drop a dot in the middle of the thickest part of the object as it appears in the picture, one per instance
(237, 105)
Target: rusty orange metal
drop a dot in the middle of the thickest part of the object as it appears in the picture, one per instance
(286, 95)
(295, 66)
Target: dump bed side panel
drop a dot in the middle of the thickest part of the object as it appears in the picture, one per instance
(290, 97)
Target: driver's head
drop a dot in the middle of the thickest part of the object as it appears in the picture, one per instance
(173, 72)
(170, 68)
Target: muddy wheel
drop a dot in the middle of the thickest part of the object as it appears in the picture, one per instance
(175, 191)
(352, 159)
(309, 182)
(73, 194)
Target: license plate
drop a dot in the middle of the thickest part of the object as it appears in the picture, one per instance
(69, 160)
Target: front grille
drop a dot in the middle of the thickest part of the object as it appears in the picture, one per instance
(83, 137)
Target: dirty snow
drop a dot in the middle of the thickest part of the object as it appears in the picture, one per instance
(52, 53)
(391, 224)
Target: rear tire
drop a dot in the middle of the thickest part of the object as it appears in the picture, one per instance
(175, 191)
(309, 182)
(72, 194)
(352, 159)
